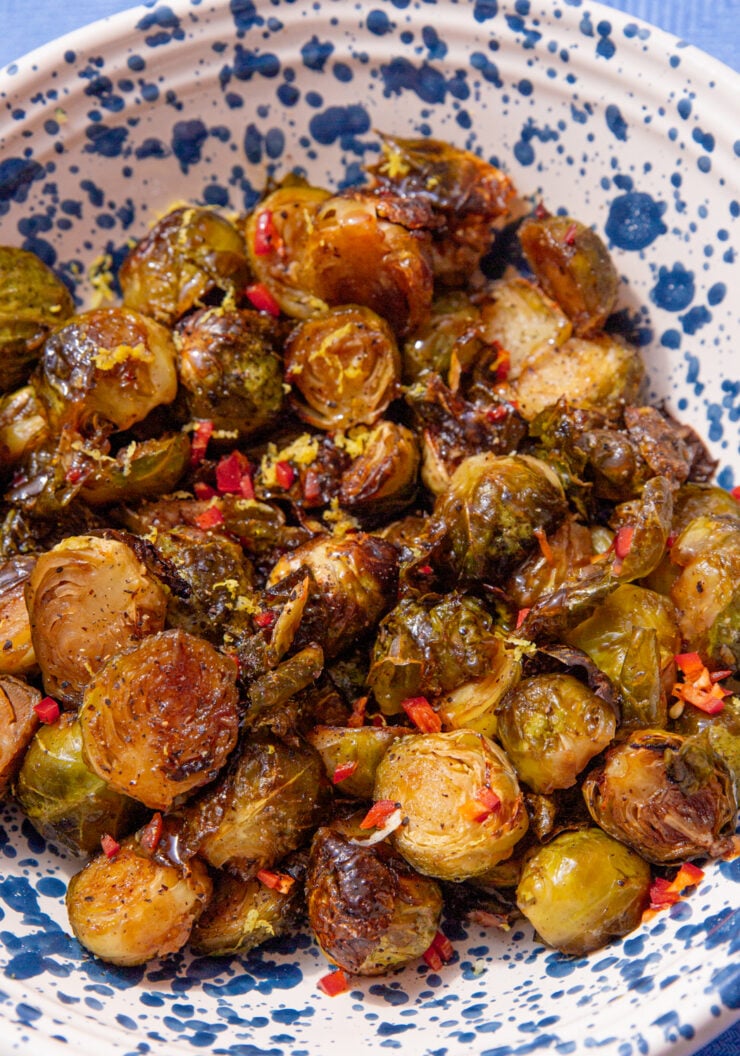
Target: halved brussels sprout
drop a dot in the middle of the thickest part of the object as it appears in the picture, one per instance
(460, 799)
(666, 812)
(381, 481)
(567, 549)
(261, 809)
(369, 910)
(231, 370)
(131, 908)
(160, 718)
(189, 256)
(551, 726)
(491, 509)
(18, 723)
(448, 339)
(574, 267)
(344, 367)
(143, 469)
(23, 426)
(16, 648)
(358, 749)
(583, 889)
(702, 500)
(518, 317)
(88, 597)
(63, 798)
(353, 255)
(107, 368)
(32, 302)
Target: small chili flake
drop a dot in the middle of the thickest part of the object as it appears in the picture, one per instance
(229, 472)
(110, 846)
(261, 299)
(204, 491)
(672, 536)
(246, 487)
(357, 718)
(432, 958)
(521, 617)
(343, 771)
(502, 363)
(443, 946)
(735, 492)
(265, 619)
(199, 443)
(425, 570)
(569, 237)
(497, 413)
(311, 486)
(47, 710)
(284, 474)
(275, 881)
(422, 714)
(623, 541)
(334, 983)
(210, 518)
(485, 803)
(541, 211)
(73, 475)
(152, 833)
(666, 893)
(266, 237)
(379, 813)
(541, 537)
(700, 687)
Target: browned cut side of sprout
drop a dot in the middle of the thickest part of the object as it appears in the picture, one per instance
(23, 425)
(16, 648)
(520, 318)
(141, 470)
(161, 718)
(18, 723)
(88, 597)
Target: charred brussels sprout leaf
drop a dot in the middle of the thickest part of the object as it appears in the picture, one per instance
(462, 800)
(88, 597)
(33, 301)
(16, 648)
(370, 911)
(160, 719)
(551, 726)
(63, 798)
(131, 908)
(490, 511)
(141, 470)
(18, 723)
(664, 812)
(229, 365)
(23, 426)
(188, 257)
(583, 889)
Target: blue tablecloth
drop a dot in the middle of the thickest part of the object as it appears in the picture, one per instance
(713, 25)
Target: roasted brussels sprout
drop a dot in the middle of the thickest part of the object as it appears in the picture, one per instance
(18, 723)
(666, 812)
(131, 907)
(369, 910)
(491, 509)
(33, 301)
(702, 500)
(63, 798)
(188, 257)
(344, 367)
(567, 549)
(16, 648)
(551, 726)
(276, 233)
(356, 578)
(574, 267)
(351, 755)
(264, 806)
(23, 426)
(633, 637)
(88, 597)
(583, 889)
(229, 365)
(381, 480)
(354, 255)
(447, 339)
(519, 318)
(106, 369)
(160, 718)
(141, 470)
(461, 800)
(243, 914)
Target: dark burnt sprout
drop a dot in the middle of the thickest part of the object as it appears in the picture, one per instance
(341, 584)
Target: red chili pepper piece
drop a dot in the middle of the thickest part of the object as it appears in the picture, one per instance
(110, 846)
(425, 570)
(541, 212)
(689, 875)
(735, 492)
(246, 487)
(378, 814)
(266, 238)
(343, 771)
(623, 541)
(311, 486)
(521, 617)
(261, 298)
(545, 548)
(700, 687)
(275, 881)
(570, 235)
(334, 983)
(199, 443)
(47, 710)
(689, 664)
(265, 619)
(443, 946)
(73, 475)
(422, 714)
(502, 363)
(432, 958)
(284, 474)
(204, 491)
(497, 413)
(661, 895)
(210, 518)
(152, 834)
(357, 718)
(485, 803)
(229, 472)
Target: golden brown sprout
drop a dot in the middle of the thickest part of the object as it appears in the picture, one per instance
(16, 648)
(87, 598)
(462, 800)
(143, 470)
(344, 367)
(161, 718)
(188, 256)
(448, 339)
(568, 548)
(574, 267)
(130, 908)
(382, 480)
(522, 320)
(18, 723)
(23, 425)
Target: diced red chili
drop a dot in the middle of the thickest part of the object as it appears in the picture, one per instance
(261, 299)
(735, 492)
(378, 814)
(152, 834)
(689, 664)
(204, 491)
(623, 541)
(110, 846)
(570, 235)
(275, 881)
(246, 486)
(284, 474)
(357, 718)
(541, 211)
(422, 714)
(689, 875)
(209, 518)
(443, 946)
(334, 983)
(73, 475)
(199, 443)
(521, 617)
(264, 619)
(47, 710)
(497, 413)
(311, 486)
(432, 958)
(485, 803)
(266, 237)
(230, 471)
(343, 771)
(426, 570)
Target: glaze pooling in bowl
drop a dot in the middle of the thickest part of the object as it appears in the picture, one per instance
(201, 102)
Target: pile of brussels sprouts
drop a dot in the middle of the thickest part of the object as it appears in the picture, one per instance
(345, 576)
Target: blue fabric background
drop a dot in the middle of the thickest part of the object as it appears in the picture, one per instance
(713, 25)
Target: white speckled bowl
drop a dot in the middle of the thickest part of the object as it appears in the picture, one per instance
(201, 101)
